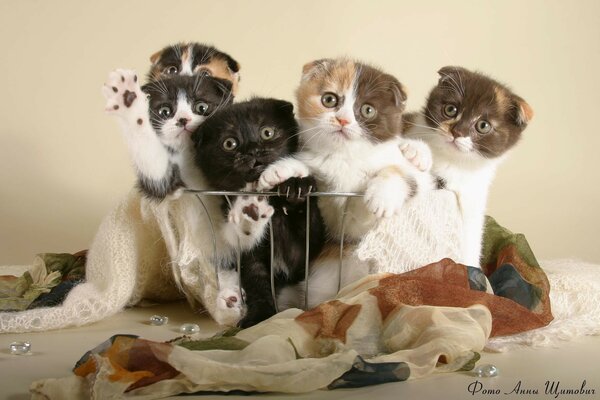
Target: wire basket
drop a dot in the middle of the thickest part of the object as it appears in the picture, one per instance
(201, 193)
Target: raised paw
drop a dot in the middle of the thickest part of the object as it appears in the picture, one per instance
(385, 196)
(280, 172)
(295, 190)
(249, 216)
(230, 307)
(122, 92)
(418, 153)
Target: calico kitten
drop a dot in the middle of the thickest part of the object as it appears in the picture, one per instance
(194, 59)
(350, 115)
(233, 148)
(470, 122)
(158, 121)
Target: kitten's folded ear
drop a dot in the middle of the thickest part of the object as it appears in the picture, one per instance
(522, 113)
(312, 68)
(232, 64)
(283, 106)
(156, 56)
(399, 91)
(451, 73)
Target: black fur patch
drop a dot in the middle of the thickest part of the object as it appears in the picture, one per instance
(440, 182)
(159, 189)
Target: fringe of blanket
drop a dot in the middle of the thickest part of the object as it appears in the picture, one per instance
(575, 299)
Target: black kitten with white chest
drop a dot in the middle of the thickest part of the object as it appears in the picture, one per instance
(233, 148)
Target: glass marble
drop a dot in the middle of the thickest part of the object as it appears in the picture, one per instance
(158, 320)
(189, 329)
(485, 371)
(20, 348)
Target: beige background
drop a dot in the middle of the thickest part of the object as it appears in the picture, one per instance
(63, 163)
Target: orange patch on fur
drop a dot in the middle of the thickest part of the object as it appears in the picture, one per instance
(322, 76)
(219, 69)
(526, 111)
(390, 171)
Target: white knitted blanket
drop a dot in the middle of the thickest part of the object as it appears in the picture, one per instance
(128, 261)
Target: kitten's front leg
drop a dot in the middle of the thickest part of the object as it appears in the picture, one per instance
(418, 153)
(280, 171)
(230, 307)
(247, 221)
(388, 190)
(126, 101)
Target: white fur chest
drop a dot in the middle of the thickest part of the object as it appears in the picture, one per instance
(349, 169)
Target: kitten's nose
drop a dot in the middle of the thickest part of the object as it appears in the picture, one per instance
(342, 121)
(455, 130)
(182, 122)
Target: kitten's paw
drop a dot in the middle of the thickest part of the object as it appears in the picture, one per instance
(385, 196)
(122, 93)
(418, 153)
(230, 308)
(280, 172)
(295, 190)
(249, 216)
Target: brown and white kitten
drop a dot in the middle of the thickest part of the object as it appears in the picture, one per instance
(470, 122)
(350, 115)
(194, 59)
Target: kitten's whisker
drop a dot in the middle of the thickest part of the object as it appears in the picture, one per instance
(311, 138)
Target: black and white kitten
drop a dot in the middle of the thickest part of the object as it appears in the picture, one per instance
(157, 122)
(233, 148)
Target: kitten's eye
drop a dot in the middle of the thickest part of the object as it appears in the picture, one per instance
(172, 70)
(267, 133)
(165, 111)
(450, 110)
(201, 108)
(204, 72)
(368, 111)
(329, 100)
(230, 144)
(483, 126)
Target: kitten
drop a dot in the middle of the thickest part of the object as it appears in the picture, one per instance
(157, 123)
(233, 148)
(158, 120)
(350, 115)
(470, 122)
(194, 59)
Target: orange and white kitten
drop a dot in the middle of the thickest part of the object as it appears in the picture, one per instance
(350, 115)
